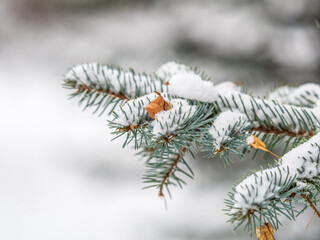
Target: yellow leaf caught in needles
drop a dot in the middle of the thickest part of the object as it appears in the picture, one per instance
(157, 105)
(265, 233)
(258, 144)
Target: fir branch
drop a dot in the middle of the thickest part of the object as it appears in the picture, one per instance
(217, 119)
(112, 84)
(270, 116)
(266, 190)
(263, 114)
(305, 95)
(228, 133)
(166, 171)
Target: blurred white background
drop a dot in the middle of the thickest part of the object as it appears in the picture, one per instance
(60, 175)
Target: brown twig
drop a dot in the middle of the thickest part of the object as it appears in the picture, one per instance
(282, 131)
(169, 173)
(121, 96)
(131, 127)
(311, 204)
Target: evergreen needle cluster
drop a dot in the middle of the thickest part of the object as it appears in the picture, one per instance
(218, 119)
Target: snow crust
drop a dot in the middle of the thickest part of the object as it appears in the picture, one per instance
(303, 95)
(192, 86)
(250, 140)
(223, 124)
(300, 163)
(133, 111)
(260, 110)
(169, 69)
(227, 87)
(166, 122)
(119, 81)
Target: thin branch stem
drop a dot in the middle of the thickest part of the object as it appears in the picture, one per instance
(169, 173)
(311, 205)
(287, 132)
(121, 96)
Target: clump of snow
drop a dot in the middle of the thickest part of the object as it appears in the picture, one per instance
(250, 140)
(225, 125)
(80, 74)
(169, 69)
(192, 86)
(268, 112)
(304, 95)
(98, 76)
(300, 163)
(228, 97)
(166, 122)
(227, 87)
(133, 111)
(304, 161)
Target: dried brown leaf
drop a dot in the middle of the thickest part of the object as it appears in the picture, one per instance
(265, 233)
(157, 105)
(260, 145)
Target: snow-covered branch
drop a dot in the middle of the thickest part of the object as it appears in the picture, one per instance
(103, 86)
(269, 192)
(306, 95)
(177, 111)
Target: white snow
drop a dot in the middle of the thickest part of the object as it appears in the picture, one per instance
(303, 95)
(169, 69)
(223, 124)
(227, 86)
(250, 140)
(301, 163)
(228, 97)
(281, 94)
(133, 111)
(256, 110)
(107, 77)
(78, 74)
(304, 167)
(316, 108)
(191, 86)
(166, 122)
(69, 181)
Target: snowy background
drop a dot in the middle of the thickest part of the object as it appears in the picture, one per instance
(62, 178)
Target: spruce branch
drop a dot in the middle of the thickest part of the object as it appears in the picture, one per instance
(104, 85)
(306, 95)
(228, 134)
(177, 111)
(271, 117)
(268, 192)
